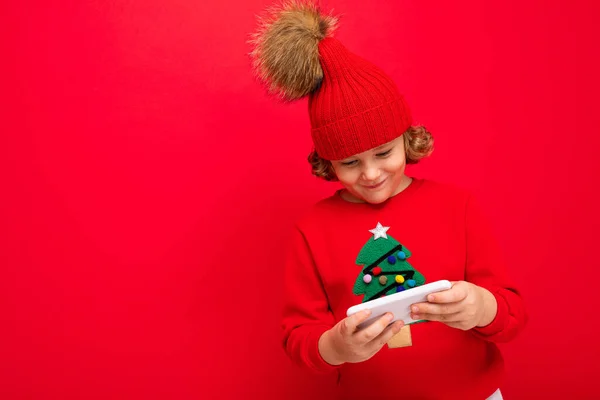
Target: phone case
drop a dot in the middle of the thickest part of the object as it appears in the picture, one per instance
(398, 303)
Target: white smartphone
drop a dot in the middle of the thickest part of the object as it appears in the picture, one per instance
(398, 303)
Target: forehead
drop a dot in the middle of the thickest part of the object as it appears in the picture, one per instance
(377, 149)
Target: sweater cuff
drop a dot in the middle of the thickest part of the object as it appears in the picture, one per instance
(499, 322)
(313, 356)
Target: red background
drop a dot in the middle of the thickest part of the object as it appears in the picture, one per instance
(149, 184)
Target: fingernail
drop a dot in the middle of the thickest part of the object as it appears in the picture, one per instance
(415, 316)
(430, 297)
(415, 309)
(367, 312)
(389, 317)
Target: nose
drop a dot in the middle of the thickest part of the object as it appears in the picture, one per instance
(370, 173)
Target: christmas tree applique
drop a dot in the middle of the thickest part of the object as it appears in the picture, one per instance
(385, 267)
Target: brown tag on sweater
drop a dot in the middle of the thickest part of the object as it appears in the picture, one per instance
(401, 339)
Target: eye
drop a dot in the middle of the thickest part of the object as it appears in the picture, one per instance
(349, 163)
(384, 154)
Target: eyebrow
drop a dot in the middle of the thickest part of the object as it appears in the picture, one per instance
(378, 148)
(381, 147)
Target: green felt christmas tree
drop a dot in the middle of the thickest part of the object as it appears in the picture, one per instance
(385, 267)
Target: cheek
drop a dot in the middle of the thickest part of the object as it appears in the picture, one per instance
(396, 165)
(346, 176)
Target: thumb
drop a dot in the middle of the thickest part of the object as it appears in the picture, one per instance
(352, 322)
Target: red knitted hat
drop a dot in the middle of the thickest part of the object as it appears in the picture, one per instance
(353, 105)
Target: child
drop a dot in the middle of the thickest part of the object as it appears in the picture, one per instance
(382, 233)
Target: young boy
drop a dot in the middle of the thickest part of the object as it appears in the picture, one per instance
(382, 233)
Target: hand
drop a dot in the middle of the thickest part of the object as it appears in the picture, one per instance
(345, 343)
(463, 306)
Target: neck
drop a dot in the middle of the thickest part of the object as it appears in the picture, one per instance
(404, 183)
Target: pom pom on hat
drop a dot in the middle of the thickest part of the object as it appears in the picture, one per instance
(353, 105)
(286, 48)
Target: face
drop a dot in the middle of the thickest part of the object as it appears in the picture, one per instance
(375, 175)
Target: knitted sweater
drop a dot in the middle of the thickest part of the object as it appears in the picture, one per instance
(446, 237)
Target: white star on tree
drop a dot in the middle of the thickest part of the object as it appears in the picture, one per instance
(379, 231)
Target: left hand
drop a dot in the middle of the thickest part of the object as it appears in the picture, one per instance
(463, 306)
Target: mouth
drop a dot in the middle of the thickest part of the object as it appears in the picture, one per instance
(372, 187)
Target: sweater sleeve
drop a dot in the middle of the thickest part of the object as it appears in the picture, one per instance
(485, 267)
(306, 313)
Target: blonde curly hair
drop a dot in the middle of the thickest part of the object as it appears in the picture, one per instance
(418, 144)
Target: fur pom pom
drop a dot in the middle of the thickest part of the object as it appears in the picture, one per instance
(286, 48)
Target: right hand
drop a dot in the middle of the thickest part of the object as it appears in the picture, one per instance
(345, 343)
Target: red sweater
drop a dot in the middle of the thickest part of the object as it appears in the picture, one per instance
(448, 238)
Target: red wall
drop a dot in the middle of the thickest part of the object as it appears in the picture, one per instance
(149, 184)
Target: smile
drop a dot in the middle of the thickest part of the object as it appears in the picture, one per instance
(375, 186)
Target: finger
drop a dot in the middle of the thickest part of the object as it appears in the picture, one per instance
(386, 335)
(352, 322)
(372, 331)
(432, 308)
(456, 317)
(456, 293)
